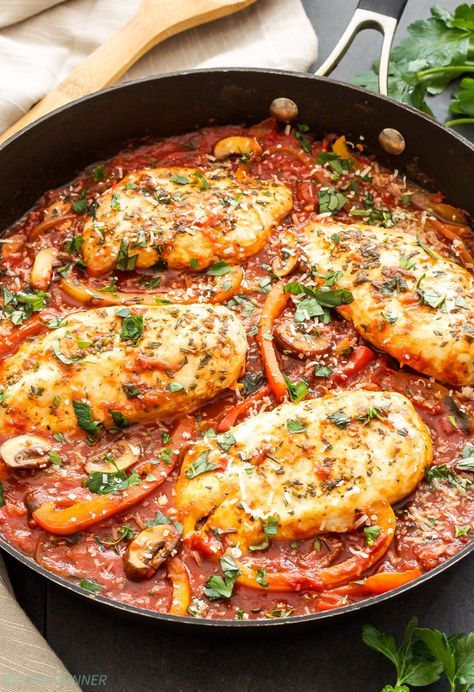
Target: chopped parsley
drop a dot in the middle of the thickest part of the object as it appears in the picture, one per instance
(252, 381)
(270, 528)
(73, 245)
(322, 370)
(296, 390)
(175, 387)
(91, 585)
(371, 534)
(219, 269)
(373, 412)
(295, 426)
(339, 418)
(2, 495)
(226, 441)
(131, 390)
(55, 458)
(335, 162)
(300, 129)
(179, 179)
(80, 205)
(222, 587)
(19, 306)
(466, 462)
(261, 578)
(119, 419)
(425, 247)
(125, 533)
(203, 181)
(98, 173)
(115, 203)
(125, 262)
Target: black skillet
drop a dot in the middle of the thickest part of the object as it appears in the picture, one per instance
(54, 149)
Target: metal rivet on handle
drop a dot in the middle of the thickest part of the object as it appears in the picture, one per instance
(392, 141)
(284, 110)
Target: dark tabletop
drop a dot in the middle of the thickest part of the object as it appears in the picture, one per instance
(331, 658)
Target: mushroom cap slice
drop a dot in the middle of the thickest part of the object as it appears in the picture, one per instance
(120, 455)
(149, 550)
(26, 452)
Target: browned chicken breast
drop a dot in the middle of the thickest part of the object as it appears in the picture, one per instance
(188, 218)
(110, 367)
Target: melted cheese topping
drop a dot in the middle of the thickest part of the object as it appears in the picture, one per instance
(189, 220)
(408, 301)
(313, 466)
(185, 356)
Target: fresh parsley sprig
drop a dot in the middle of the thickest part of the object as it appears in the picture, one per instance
(424, 656)
(436, 51)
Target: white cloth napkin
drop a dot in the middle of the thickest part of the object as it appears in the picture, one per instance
(41, 41)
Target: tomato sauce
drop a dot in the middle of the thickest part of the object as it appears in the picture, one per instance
(432, 525)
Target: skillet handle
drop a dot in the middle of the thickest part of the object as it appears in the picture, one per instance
(382, 15)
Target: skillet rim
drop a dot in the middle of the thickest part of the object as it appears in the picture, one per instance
(240, 71)
(210, 624)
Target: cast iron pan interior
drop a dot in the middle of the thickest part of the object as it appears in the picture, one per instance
(53, 150)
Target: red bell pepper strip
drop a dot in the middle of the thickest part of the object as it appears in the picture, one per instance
(386, 581)
(327, 577)
(35, 325)
(358, 361)
(85, 513)
(272, 308)
(234, 413)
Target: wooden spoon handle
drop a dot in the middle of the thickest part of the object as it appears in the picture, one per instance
(113, 58)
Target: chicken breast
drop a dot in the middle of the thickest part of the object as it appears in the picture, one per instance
(408, 300)
(312, 466)
(114, 366)
(187, 218)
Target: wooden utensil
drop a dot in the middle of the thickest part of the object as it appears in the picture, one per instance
(154, 21)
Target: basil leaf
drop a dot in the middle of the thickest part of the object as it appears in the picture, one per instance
(297, 390)
(91, 585)
(132, 328)
(219, 587)
(84, 418)
(371, 534)
(226, 441)
(295, 426)
(219, 269)
(331, 201)
(201, 465)
(119, 419)
(339, 418)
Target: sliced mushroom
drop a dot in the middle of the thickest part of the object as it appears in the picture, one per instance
(42, 269)
(149, 550)
(237, 145)
(121, 455)
(26, 452)
(298, 343)
(288, 259)
(34, 499)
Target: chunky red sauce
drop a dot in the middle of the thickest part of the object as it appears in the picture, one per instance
(432, 525)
